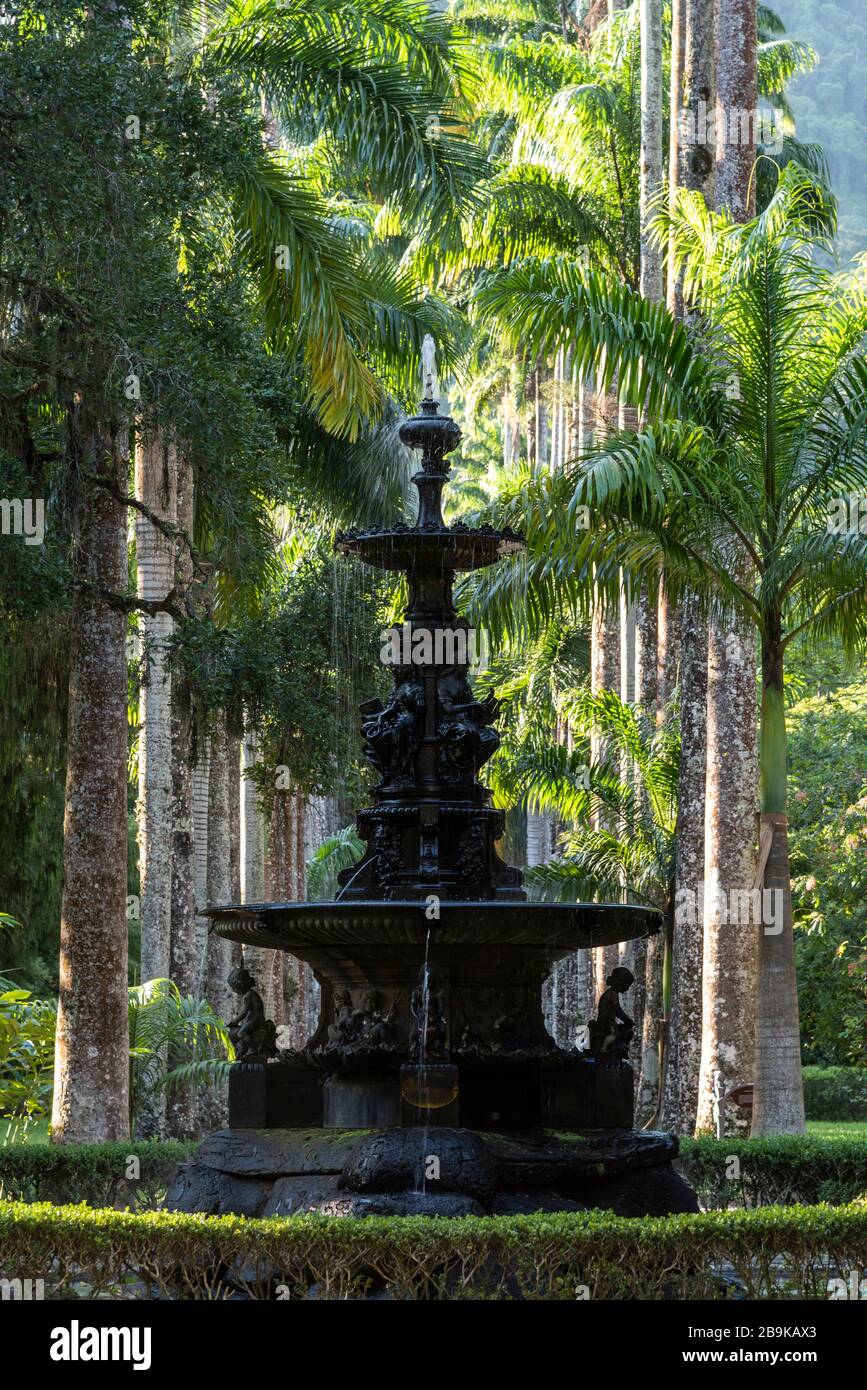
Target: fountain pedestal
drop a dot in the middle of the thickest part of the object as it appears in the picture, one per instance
(445, 1171)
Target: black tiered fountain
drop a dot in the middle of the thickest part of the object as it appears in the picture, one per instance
(431, 1083)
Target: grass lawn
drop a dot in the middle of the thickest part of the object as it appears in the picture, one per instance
(837, 1129)
(818, 1129)
(11, 1132)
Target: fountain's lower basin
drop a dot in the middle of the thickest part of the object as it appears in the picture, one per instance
(487, 963)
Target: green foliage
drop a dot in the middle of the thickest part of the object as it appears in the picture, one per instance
(626, 811)
(98, 1174)
(26, 1055)
(326, 862)
(835, 1093)
(163, 1023)
(783, 1170)
(298, 666)
(33, 658)
(779, 1252)
(827, 815)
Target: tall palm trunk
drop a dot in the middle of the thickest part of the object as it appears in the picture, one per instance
(91, 1091)
(691, 166)
(730, 936)
(234, 762)
(264, 965)
(201, 779)
(668, 651)
(736, 96)
(180, 1105)
(680, 1098)
(219, 954)
(183, 911)
(219, 951)
(730, 946)
(604, 675)
(673, 293)
(650, 173)
(779, 1093)
(156, 488)
(285, 881)
(645, 958)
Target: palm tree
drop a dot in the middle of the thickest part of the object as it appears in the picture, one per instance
(635, 855)
(759, 433)
(163, 1022)
(622, 841)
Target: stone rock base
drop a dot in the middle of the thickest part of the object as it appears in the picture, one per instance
(436, 1172)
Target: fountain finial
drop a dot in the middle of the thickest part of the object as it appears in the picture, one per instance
(429, 368)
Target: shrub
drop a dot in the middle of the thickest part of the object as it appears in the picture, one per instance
(835, 1093)
(95, 1174)
(778, 1253)
(784, 1170)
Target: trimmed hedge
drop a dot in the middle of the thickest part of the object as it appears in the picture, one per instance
(93, 1173)
(769, 1171)
(775, 1253)
(835, 1093)
(785, 1170)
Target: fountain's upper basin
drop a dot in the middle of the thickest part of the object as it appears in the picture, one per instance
(432, 551)
(559, 927)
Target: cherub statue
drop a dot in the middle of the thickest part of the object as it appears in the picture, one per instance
(340, 1031)
(611, 1031)
(252, 1033)
(380, 1031)
(391, 733)
(463, 727)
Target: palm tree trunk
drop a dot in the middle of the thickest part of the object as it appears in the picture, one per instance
(673, 292)
(668, 646)
(91, 1091)
(690, 166)
(263, 964)
(183, 944)
(736, 96)
(647, 1098)
(219, 955)
(234, 756)
(779, 1093)
(183, 960)
(287, 982)
(200, 779)
(650, 173)
(181, 1102)
(730, 943)
(730, 934)
(604, 675)
(156, 487)
(680, 1099)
